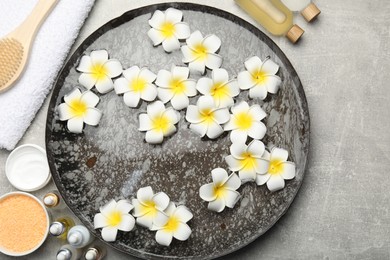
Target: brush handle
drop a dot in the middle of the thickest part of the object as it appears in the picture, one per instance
(26, 31)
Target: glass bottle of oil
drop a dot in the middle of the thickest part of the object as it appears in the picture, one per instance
(60, 227)
(53, 200)
(274, 16)
(308, 9)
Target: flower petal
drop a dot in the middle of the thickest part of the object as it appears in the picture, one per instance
(99, 57)
(205, 103)
(241, 107)
(213, 61)
(195, 39)
(220, 76)
(219, 176)
(237, 149)
(90, 98)
(164, 94)
(65, 112)
(257, 112)
(109, 207)
(212, 43)
(256, 148)
(138, 208)
(273, 83)
(253, 65)
(145, 124)
(231, 197)
(164, 78)
(262, 178)
(206, 192)
(171, 44)
(180, 101)
(85, 64)
(182, 30)
(214, 130)
(204, 85)
(156, 36)
(124, 206)
(74, 94)
(172, 115)
(275, 183)
(222, 115)
(147, 75)
(238, 136)
(131, 98)
(197, 65)
(113, 67)
(99, 221)
(161, 200)
(230, 125)
(149, 93)
(269, 67)
(279, 154)
(109, 234)
(121, 86)
(154, 137)
(157, 19)
(247, 175)
(288, 171)
(258, 91)
(217, 205)
(193, 115)
(199, 128)
(233, 88)
(75, 125)
(145, 221)
(92, 116)
(245, 80)
(173, 15)
(170, 210)
(187, 53)
(234, 164)
(104, 85)
(183, 214)
(233, 182)
(163, 237)
(179, 72)
(131, 73)
(87, 80)
(145, 194)
(127, 223)
(261, 166)
(160, 220)
(155, 109)
(182, 232)
(190, 87)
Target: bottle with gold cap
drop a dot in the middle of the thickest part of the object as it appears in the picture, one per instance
(53, 200)
(274, 16)
(308, 9)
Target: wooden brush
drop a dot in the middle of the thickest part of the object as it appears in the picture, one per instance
(15, 47)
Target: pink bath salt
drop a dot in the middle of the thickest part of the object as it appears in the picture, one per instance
(23, 223)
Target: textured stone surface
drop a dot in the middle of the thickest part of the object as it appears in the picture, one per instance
(342, 208)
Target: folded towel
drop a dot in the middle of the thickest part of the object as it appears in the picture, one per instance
(53, 41)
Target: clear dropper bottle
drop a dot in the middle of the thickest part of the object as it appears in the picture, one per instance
(95, 253)
(274, 16)
(68, 252)
(308, 9)
(61, 227)
(53, 200)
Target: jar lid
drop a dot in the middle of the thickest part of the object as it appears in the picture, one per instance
(27, 168)
(295, 33)
(310, 12)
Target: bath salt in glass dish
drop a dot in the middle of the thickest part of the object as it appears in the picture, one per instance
(27, 168)
(24, 223)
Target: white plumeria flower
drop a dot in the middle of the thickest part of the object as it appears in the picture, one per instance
(79, 108)
(149, 207)
(99, 71)
(279, 170)
(201, 52)
(247, 160)
(114, 216)
(206, 118)
(168, 29)
(259, 77)
(222, 191)
(137, 84)
(173, 225)
(175, 86)
(219, 87)
(246, 121)
(159, 122)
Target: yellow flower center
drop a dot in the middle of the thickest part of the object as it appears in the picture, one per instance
(98, 71)
(172, 224)
(168, 29)
(78, 108)
(219, 90)
(138, 85)
(149, 208)
(161, 123)
(114, 218)
(200, 52)
(260, 77)
(219, 191)
(248, 162)
(207, 116)
(244, 121)
(177, 86)
(275, 167)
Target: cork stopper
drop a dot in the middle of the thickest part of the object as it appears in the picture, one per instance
(310, 12)
(295, 33)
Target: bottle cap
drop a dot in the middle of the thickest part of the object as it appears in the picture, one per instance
(295, 33)
(50, 200)
(310, 12)
(75, 238)
(56, 229)
(91, 254)
(64, 254)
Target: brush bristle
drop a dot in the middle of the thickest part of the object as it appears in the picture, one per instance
(11, 54)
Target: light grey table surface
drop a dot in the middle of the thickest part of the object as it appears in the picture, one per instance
(342, 210)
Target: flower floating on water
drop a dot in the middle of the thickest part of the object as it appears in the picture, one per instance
(149, 207)
(219, 87)
(175, 86)
(79, 108)
(168, 29)
(173, 224)
(246, 121)
(97, 70)
(114, 216)
(201, 52)
(136, 85)
(259, 77)
(206, 118)
(222, 191)
(158, 122)
(279, 170)
(247, 160)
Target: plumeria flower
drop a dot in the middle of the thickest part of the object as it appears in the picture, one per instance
(79, 108)
(219, 87)
(168, 29)
(279, 170)
(175, 86)
(246, 121)
(201, 52)
(173, 225)
(159, 122)
(259, 77)
(149, 207)
(247, 160)
(137, 84)
(206, 118)
(222, 191)
(99, 71)
(114, 216)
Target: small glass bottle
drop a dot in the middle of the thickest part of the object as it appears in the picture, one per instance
(274, 16)
(53, 200)
(79, 236)
(95, 253)
(308, 9)
(61, 227)
(68, 252)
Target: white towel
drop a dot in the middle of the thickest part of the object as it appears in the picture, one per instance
(53, 41)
